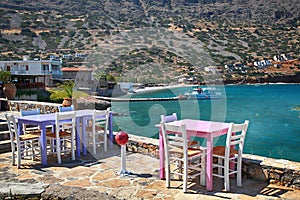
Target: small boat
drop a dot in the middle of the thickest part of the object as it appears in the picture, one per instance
(206, 93)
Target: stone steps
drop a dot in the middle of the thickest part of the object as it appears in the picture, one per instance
(4, 138)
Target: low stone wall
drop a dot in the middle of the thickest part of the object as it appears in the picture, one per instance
(275, 171)
(45, 107)
(16, 105)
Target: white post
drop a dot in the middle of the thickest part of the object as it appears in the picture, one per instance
(123, 159)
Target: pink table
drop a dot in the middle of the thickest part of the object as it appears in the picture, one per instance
(198, 128)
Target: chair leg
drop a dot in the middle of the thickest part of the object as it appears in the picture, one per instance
(220, 163)
(32, 149)
(226, 175)
(58, 143)
(19, 158)
(13, 152)
(168, 171)
(179, 165)
(94, 144)
(239, 171)
(185, 176)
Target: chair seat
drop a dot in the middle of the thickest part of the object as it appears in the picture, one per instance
(61, 134)
(191, 152)
(192, 143)
(97, 128)
(220, 151)
(28, 136)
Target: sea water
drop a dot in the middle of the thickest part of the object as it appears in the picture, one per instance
(274, 129)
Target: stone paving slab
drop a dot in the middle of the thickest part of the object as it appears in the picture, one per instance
(96, 177)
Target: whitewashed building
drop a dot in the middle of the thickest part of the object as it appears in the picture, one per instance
(33, 71)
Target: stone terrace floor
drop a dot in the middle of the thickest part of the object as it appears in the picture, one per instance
(96, 177)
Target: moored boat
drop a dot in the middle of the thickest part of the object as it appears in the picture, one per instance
(205, 93)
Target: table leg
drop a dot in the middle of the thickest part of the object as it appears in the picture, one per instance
(83, 135)
(20, 131)
(161, 156)
(209, 162)
(111, 135)
(77, 137)
(43, 143)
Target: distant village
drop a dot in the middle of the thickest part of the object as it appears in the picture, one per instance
(28, 73)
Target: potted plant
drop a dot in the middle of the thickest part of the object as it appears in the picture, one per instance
(9, 88)
(65, 92)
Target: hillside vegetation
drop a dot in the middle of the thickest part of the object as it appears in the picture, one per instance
(229, 30)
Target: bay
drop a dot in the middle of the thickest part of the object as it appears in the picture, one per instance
(274, 129)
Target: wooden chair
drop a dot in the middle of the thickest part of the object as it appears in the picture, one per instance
(228, 154)
(185, 162)
(97, 132)
(22, 145)
(30, 128)
(64, 134)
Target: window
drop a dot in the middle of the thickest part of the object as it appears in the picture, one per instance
(45, 67)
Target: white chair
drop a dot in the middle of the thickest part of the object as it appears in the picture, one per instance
(228, 154)
(64, 134)
(22, 145)
(31, 128)
(97, 132)
(192, 159)
(173, 117)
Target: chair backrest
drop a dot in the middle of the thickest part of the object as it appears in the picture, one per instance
(236, 137)
(168, 118)
(13, 129)
(30, 112)
(174, 137)
(100, 117)
(65, 109)
(65, 120)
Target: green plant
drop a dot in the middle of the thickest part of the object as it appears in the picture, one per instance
(65, 90)
(5, 77)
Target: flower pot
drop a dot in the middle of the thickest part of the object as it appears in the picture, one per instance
(10, 90)
(67, 102)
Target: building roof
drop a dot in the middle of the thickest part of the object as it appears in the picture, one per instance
(75, 69)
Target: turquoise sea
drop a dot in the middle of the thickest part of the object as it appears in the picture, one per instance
(274, 129)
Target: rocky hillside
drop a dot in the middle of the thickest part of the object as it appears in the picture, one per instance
(229, 30)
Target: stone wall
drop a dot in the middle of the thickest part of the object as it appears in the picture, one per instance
(14, 105)
(275, 171)
(45, 107)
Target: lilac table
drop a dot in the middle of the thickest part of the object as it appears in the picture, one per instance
(82, 117)
(49, 119)
(197, 128)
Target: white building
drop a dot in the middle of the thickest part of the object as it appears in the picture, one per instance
(33, 71)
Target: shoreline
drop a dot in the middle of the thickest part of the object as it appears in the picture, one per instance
(159, 88)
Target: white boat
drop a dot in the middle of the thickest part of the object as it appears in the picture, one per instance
(204, 93)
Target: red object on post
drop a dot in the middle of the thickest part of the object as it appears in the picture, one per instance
(121, 138)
